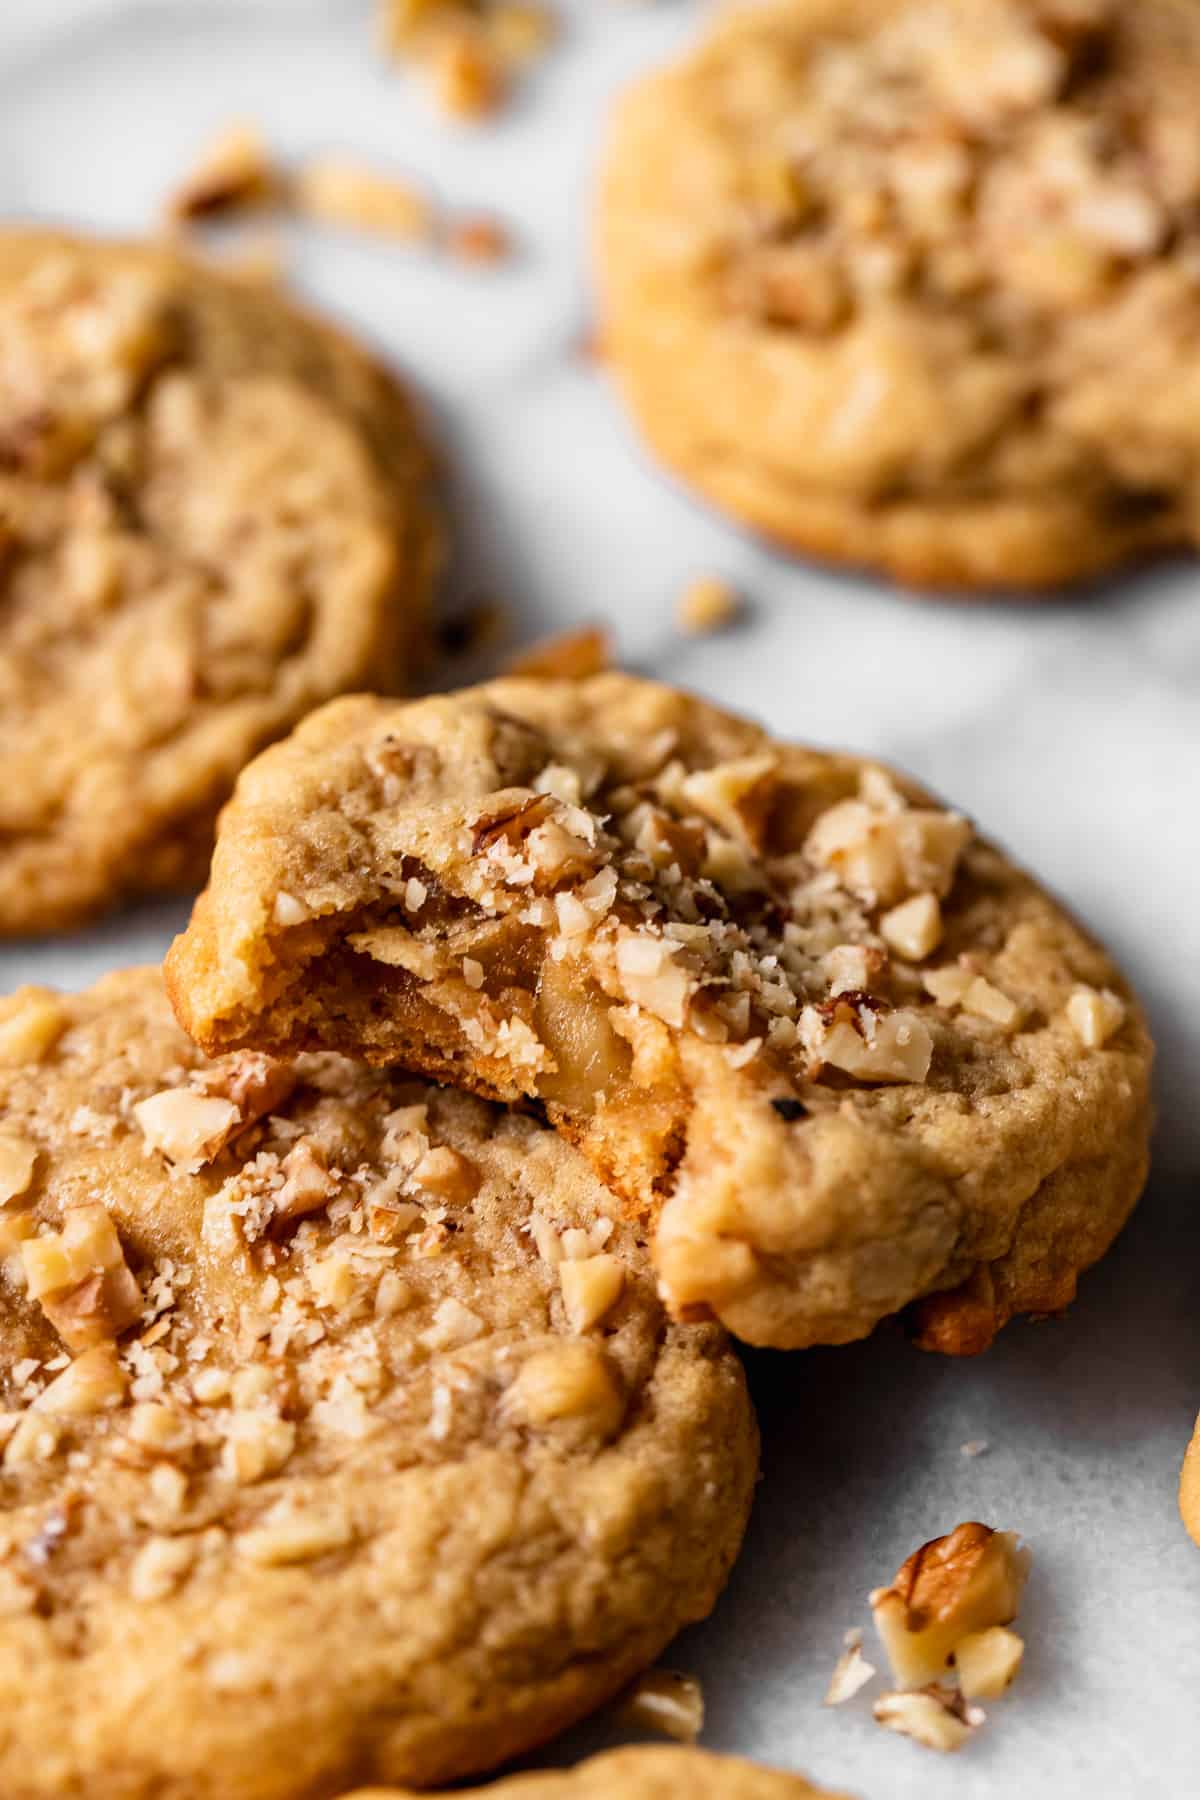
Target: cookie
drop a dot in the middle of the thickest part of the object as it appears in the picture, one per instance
(646, 1774)
(215, 513)
(912, 284)
(1189, 1486)
(835, 1049)
(344, 1436)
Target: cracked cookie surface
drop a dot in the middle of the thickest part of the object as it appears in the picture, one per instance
(835, 1050)
(342, 1435)
(913, 283)
(215, 513)
(653, 1773)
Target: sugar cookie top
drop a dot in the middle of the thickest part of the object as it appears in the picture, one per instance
(215, 512)
(651, 1773)
(834, 1046)
(914, 283)
(343, 1434)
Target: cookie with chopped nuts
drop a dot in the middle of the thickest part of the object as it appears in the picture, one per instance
(833, 1048)
(913, 284)
(342, 1435)
(651, 1773)
(215, 513)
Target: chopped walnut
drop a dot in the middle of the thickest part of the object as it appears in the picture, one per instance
(477, 240)
(1095, 1016)
(80, 1278)
(933, 1718)
(706, 605)
(570, 1381)
(914, 928)
(340, 190)
(467, 79)
(590, 1289)
(735, 795)
(188, 1128)
(453, 1325)
(18, 1158)
(92, 1382)
(307, 1182)
(951, 1587)
(987, 1662)
(987, 1001)
(651, 977)
(448, 1175)
(665, 1701)
(36, 1439)
(31, 1022)
(257, 1443)
(233, 171)
(288, 1535)
(851, 1673)
(160, 1566)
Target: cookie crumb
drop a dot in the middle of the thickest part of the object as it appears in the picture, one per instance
(478, 241)
(667, 1702)
(707, 605)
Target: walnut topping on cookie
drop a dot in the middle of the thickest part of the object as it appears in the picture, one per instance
(256, 1443)
(913, 283)
(706, 953)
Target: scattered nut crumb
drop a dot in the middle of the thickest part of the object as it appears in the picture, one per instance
(974, 1447)
(706, 605)
(667, 1702)
(478, 240)
(987, 1662)
(934, 1717)
(1095, 1016)
(851, 1672)
(340, 190)
(232, 172)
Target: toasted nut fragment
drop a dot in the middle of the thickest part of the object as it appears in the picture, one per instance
(159, 1567)
(448, 1175)
(342, 191)
(987, 1662)
(92, 1383)
(36, 1439)
(885, 852)
(17, 1159)
(257, 1444)
(15, 1228)
(234, 170)
(706, 605)
(735, 795)
(927, 1718)
(572, 656)
(590, 1289)
(288, 911)
(950, 1588)
(453, 1325)
(332, 1281)
(186, 1127)
(914, 928)
(468, 82)
(518, 30)
(948, 986)
(650, 976)
(308, 1183)
(571, 1381)
(987, 1001)
(1095, 1016)
(899, 1048)
(288, 1536)
(665, 1701)
(159, 1429)
(80, 1278)
(31, 1022)
(478, 240)
(851, 1672)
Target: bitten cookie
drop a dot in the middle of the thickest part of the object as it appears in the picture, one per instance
(344, 1438)
(215, 512)
(834, 1048)
(913, 283)
(646, 1774)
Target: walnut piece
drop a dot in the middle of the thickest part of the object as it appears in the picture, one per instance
(665, 1701)
(988, 1661)
(914, 928)
(342, 191)
(93, 1382)
(233, 171)
(932, 1718)
(706, 605)
(17, 1159)
(31, 1022)
(591, 1288)
(80, 1278)
(947, 1590)
(1095, 1016)
(851, 1673)
(576, 1382)
(188, 1128)
(571, 656)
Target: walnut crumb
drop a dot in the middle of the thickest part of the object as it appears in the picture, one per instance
(233, 171)
(340, 190)
(31, 1022)
(591, 1288)
(1095, 1016)
(851, 1673)
(933, 1717)
(707, 605)
(571, 656)
(666, 1702)
(478, 241)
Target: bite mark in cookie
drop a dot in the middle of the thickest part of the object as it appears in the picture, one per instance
(687, 942)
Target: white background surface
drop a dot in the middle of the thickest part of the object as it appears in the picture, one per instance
(1071, 730)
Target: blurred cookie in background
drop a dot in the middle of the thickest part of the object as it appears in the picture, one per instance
(215, 512)
(644, 1774)
(912, 284)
